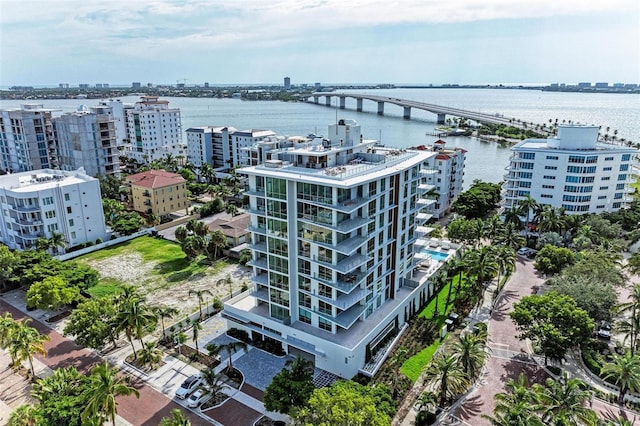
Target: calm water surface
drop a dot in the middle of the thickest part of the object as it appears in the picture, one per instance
(485, 161)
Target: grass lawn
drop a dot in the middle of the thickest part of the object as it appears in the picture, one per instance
(414, 365)
(636, 183)
(170, 265)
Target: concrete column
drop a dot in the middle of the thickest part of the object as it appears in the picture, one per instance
(407, 113)
(359, 105)
(441, 118)
(327, 100)
(342, 101)
(316, 99)
(381, 108)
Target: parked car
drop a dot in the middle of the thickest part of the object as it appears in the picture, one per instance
(522, 251)
(197, 398)
(604, 330)
(531, 254)
(189, 386)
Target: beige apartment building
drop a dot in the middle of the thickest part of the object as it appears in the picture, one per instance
(157, 192)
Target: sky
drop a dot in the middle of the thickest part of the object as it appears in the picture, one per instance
(327, 41)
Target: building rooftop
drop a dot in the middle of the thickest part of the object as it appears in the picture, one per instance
(233, 227)
(39, 180)
(155, 179)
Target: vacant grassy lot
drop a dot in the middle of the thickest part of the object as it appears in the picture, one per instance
(162, 272)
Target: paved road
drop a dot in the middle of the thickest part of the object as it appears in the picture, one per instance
(148, 410)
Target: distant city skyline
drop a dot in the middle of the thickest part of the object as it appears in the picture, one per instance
(330, 41)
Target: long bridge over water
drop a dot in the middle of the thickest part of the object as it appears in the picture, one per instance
(408, 105)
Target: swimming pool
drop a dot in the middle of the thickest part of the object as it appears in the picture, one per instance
(435, 255)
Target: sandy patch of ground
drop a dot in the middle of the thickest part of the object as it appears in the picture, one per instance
(131, 268)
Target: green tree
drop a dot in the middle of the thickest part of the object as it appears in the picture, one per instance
(552, 321)
(493, 228)
(134, 318)
(217, 242)
(51, 293)
(112, 210)
(163, 312)
(150, 355)
(181, 233)
(7, 262)
(482, 266)
(399, 357)
(200, 295)
(128, 223)
(516, 406)
(177, 419)
(7, 327)
(343, 403)
(470, 352)
(564, 402)
(104, 387)
(195, 329)
(446, 376)
(633, 263)
(597, 298)
(551, 259)
(624, 371)
(526, 207)
(630, 314)
(24, 342)
(291, 387)
(479, 200)
(231, 348)
(110, 186)
(552, 219)
(92, 323)
(61, 398)
(213, 382)
(57, 242)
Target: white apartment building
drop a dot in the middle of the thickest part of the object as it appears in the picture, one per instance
(118, 112)
(246, 146)
(87, 139)
(27, 139)
(155, 130)
(333, 227)
(571, 170)
(210, 145)
(38, 203)
(448, 178)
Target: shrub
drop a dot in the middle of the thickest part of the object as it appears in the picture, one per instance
(239, 334)
(98, 240)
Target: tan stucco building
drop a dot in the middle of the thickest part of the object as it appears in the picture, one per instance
(158, 192)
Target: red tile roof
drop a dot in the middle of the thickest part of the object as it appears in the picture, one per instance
(155, 179)
(442, 157)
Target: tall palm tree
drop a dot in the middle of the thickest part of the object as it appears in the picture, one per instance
(200, 295)
(512, 217)
(57, 241)
(470, 352)
(181, 233)
(446, 376)
(232, 347)
(511, 237)
(200, 228)
(505, 257)
(476, 231)
(105, 386)
(516, 406)
(163, 312)
(134, 318)
(483, 266)
(217, 242)
(630, 311)
(527, 206)
(207, 172)
(24, 342)
(552, 219)
(177, 419)
(213, 382)
(493, 228)
(625, 372)
(565, 401)
(232, 209)
(395, 363)
(196, 333)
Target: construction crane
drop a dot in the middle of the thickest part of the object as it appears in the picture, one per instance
(183, 80)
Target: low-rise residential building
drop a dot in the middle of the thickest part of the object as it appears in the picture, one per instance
(333, 230)
(157, 192)
(572, 171)
(234, 228)
(38, 203)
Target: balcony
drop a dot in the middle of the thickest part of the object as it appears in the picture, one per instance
(344, 301)
(262, 279)
(146, 194)
(346, 284)
(258, 192)
(257, 211)
(23, 208)
(344, 319)
(261, 294)
(345, 265)
(147, 202)
(259, 263)
(262, 247)
(262, 230)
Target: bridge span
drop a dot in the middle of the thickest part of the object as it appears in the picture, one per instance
(407, 105)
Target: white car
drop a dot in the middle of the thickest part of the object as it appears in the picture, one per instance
(197, 398)
(188, 386)
(523, 251)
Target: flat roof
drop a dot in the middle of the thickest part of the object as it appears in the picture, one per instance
(39, 180)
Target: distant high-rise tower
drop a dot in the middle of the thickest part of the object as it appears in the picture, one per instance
(287, 83)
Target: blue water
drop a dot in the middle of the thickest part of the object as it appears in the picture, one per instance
(435, 255)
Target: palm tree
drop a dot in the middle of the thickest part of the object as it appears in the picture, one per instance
(232, 209)
(482, 265)
(217, 242)
(527, 206)
(511, 237)
(163, 312)
(7, 326)
(57, 240)
(200, 228)
(470, 352)
(134, 317)
(24, 342)
(505, 257)
(24, 415)
(446, 376)
(43, 244)
(476, 231)
(395, 363)
(632, 308)
(513, 217)
(150, 355)
(207, 172)
(181, 233)
(200, 295)
(152, 219)
(178, 419)
(625, 372)
(516, 406)
(232, 347)
(552, 219)
(426, 402)
(633, 263)
(565, 402)
(105, 386)
(196, 332)
(213, 382)
(193, 246)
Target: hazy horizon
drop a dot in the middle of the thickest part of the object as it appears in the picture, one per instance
(467, 42)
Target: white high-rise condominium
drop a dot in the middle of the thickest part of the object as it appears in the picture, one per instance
(155, 130)
(245, 146)
(571, 170)
(210, 145)
(38, 203)
(27, 139)
(333, 227)
(87, 139)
